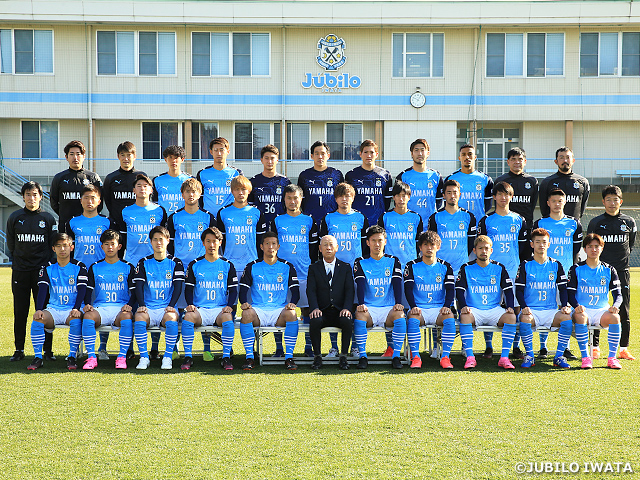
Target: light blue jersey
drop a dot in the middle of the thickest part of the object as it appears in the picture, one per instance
(378, 275)
(86, 233)
(63, 284)
(110, 284)
(510, 239)
(402, 235)
(483, 286)
(350, 230)
(590, 287)
(457, 232)
(429, 283)
(167, 192)
(298, 238)
(162, 281)
(216, 187)
(242, 229)
(541, 283)
(426, 191)
(475, 191)
(185, 230)
(139, 222)
(565, 239)
(212, 284)
(269, 284)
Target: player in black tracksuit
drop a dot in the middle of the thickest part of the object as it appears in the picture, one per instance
(525, 186)
(619, 234)
(30, 233)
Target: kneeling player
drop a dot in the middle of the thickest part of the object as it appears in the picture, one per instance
(590, 282)
(159, 278)
(266, 281)
(540, 281)
(109, 300)
(379, 291)
(429, 289)
(479, 290)
(211, 292)
(64, 282)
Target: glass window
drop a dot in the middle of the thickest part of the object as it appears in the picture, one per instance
(417, 54)
(589, 55)
(250, 138)
(156, 136)
(6, 56)
(249, 54)
(153, 55)
(608, 54)
(26, 51)
(201, 136)
(506, 54)
(344, 140)
(39, 139)
(148, 53)
(495, 55)
(298, 141)
(630, 54)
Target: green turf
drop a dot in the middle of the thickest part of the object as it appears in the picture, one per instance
(384, 424)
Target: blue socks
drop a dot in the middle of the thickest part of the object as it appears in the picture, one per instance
(613, 337)
(398, 334)
(360, 334)
(171, 337)
(466, 335)
(582, 336)
(543, 340)
(206, 341)
(126, 333)
(140, 332)
(89, 336)
(248, 337)
(228, 330)
(75, 336)
(508, 332)
(277, 337)
(389, 337)
(188, 335)
(488, 339)
(526, 332)
(448, 335)
(564, 333)
(290, 337)
(155, 340)
(37, 337)
(104, 338)
(516, 339)
(413, 336)
(333, 336)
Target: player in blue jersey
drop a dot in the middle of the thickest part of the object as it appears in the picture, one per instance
(480, 288)
(475, 186)
(565, 241)
(540, 283)
(86, 229)
(64, 283)
(455, 226)
(269, 281)
(298, 238)
(373, 184)
(211, 292)
(167, 185)
(109, 300)
(159, 280)
(426, 184)
(379, 291)
(590, 283)
(216, 178)
(429, 287)
(242, 226)
(318, 184)
(268, 187)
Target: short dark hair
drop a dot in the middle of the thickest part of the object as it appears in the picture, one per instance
(611, 190)
(368, 143)
(220, 141)
(539, 232)
(557, 191)
(515, 152)
(502, 187)
(161, 230)
(466, 145)
(318, 143)
(270, 149)
(563, 149)
(110, 235)
(31, 185)
(90, 188)
(371, 231)
(592, 237)
(61, 237)
(292, 188)
(211, 231)
(270, 234)
(74, 143)
(450, 183)
(126, 147)
(430, 237)
(419, 141)
(174, 151)
(400, 187)
(142, 176)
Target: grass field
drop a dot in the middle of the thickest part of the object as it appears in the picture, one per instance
(269, 423)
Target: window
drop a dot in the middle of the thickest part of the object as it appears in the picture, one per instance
(344, 140)
(537, 54)
(298, 141)
(201, 136)
(418, 54)
(26, 51)
(610, 54)
(156, 136)
(230, 54)
(153, 54)
(39, 139)
(251, 137)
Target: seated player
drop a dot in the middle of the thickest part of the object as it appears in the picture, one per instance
(158, 280)
(429, 287)
(109, 300)
(590, 282)
(480, 287)
(64, 282)
(379, 292)
(211, 293)
(269, 281)
(540, 282)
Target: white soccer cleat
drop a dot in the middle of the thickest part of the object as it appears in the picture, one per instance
(355, 353)
(167, 363)
(333, 352)
(435, 353)
(144, 363)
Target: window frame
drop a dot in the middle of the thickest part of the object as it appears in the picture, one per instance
(525, 55)
(344, 124)
(13, 52)
(199, 123)
(159, 122)
(230, 56)
(290, 142)
(404, 54)
(39, 159)
(618, 74)
(252, 123)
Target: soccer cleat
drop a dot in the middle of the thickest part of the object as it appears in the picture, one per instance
(355, 353)
(289, 364)
(505, 363)
(144, 363)
(207, 356)
(595, 353)
(517, 354)
(363, 363)
(396, 363)
(249, 364)
(568, 354)
(416, 362)
(121, 363)
(153, 355)
(543, 353)
(435, 353)
(167, 363)
(612, 362)
(226, 363)
(71, 363)
(561, 362)
(90, 363)
(333, 352)
(388, 352)
(102, 355)
(317, 362)
(471, 362)
(36, 364)
(187, 364)
(49, 357)
(343, 365)
(488, 353)
(445, 362)
(529, 362)
(587, 363)
(17, 356)
(625, 355)
(175, 355)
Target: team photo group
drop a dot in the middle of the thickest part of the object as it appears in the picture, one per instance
(353, 251)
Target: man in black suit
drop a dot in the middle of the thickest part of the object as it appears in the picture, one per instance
(330, 292)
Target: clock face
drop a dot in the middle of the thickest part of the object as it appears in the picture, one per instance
(417, 100)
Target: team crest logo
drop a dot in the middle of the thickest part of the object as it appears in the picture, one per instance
(167, 275)
(303, 230)
(461, 226)
(85, 182)
(567, 233)
(220, 275)
(228, 182)
(152, 219)
(41, 224)
(200, 227)
(249, 221)
(121, 278)
(513, 229)
(354, 227)
(438, 278)
(99, 230)
(603, 281)
(623, 227)
(329, 183)
(430, 184)
(72, 281)
(551, 276)
(378, 183)
(493, 280)
(478, 186)
(576, 185)
(278, 190)
(410, 227)
(387, 272)
(279, 279)
(527, 185)
(331, 52)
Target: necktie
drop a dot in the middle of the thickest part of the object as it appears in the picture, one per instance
(330, 276)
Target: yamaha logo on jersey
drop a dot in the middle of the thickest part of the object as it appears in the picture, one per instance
(430, 184)
(72, 280)
(576, 185)
(551, 276)
(513, 229)
(527, 185)
(200, 227)
(303, 230)
(493, 280)
(152, 219)
(567, 233)
(329, 183)
(438, 278)
(603, 281)
(220, 275)
(461, 226)
(228, 182)
(387, 272)
(410, 227)
(121, 278)
(41, 224)
(279, 279)
(167, 275)
(378, 183)
(278, 190)
(249, 221)
(354, 227)
(478, 186)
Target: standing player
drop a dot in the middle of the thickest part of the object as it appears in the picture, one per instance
(475, 186)
(480, 287)
(61, 289)
(525, 186)
(269, 282)
(429, 287)
(426, 183)
(30, 233)
(159, 279)
(540, 282)
(167, 185)
(67, 185)
(379, 290)
(268, 186)
(575, 187)
(590, 283)
(619, 234)
(109, 299)
(216, 178)
(373, 184)
(211, 292)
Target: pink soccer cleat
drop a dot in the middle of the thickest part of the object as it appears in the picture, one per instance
(587, 363)
(90, 364)
(471, 362)
(121, 363)
(445, 362)
(505, 363)
(612, 362)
